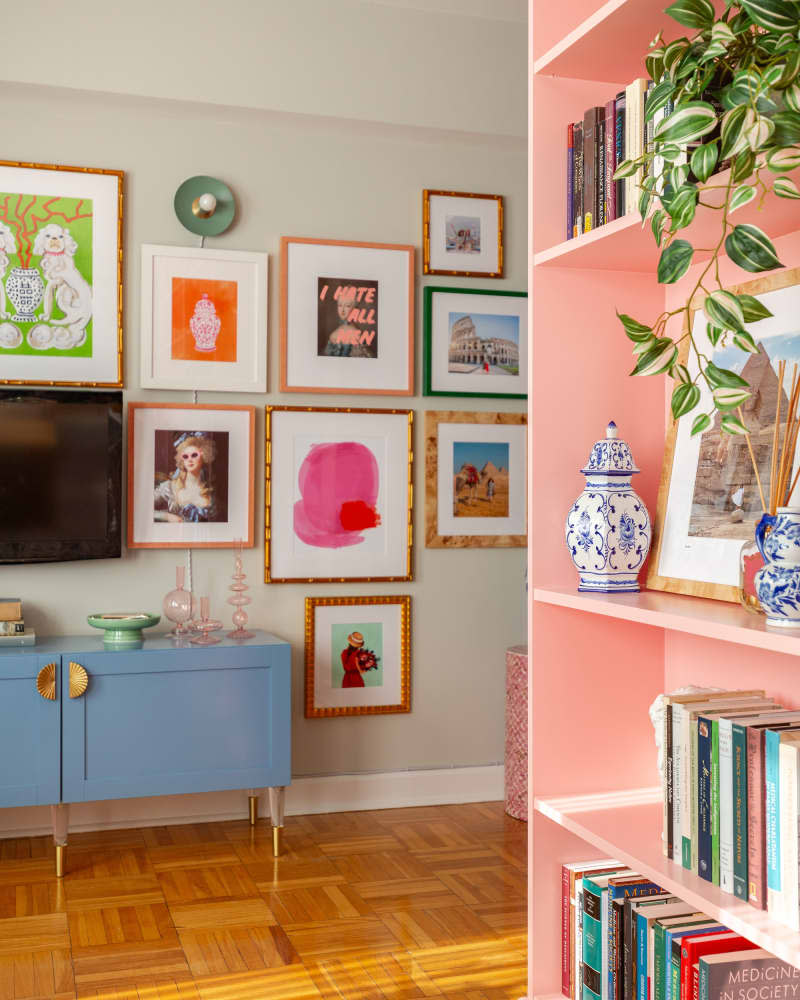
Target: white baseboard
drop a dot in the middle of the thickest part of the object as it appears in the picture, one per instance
(334, 793)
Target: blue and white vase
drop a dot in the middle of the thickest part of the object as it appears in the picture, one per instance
(778, 583)
(608, 528)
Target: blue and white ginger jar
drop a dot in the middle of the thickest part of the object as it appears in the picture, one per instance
(778, 582)
(608, 528)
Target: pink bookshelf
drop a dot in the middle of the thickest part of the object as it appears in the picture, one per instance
(597, 662)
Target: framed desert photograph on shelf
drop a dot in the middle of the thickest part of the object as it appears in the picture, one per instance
(60, 275)
(338, 488)
(462, 234)
(358, 653)
(708, 499)
(347, 317)
(204, 319)
(190, 475)
(475, 342)
(475, 479)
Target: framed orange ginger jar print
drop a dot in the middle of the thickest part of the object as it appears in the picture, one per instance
(204, 319)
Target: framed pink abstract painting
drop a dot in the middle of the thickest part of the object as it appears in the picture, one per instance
(338, 488)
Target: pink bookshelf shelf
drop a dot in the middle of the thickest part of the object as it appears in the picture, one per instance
(695, 615)
(609, 45)
(627, 826)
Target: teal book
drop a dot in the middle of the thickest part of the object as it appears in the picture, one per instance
(739, 737)
(715, 801)
(595, 944)
(673, 939)
(645, 958)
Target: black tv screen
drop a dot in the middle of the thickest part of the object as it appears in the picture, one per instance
(60, 475)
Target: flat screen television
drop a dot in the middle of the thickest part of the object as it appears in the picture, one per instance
(60, 475)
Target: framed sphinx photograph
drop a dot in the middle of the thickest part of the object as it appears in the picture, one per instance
(358, 652)
(190, 475)
(462, 234)
(60, 275)
(708, 498)
(475, 479)
(204, 319)
(347, 317)
(338, 489)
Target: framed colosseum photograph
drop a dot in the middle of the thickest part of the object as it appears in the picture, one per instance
(475, 343)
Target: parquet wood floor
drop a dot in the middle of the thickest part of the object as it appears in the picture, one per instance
(393, 904)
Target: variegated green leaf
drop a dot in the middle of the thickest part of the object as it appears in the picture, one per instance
(781, 161)
(733, 136)
(787, 128)
(670, 153)
(634, 330)
(759, 133)
(658, 359)
(645, 345)
(753, 309)
(674, 262)
(657, 225)
(687, 122)
(743, 165)
(673, 52)
(774, 15)
(684, 399)
(626, 169)
(722, 309)
(750, 248)
(733, 425)
(692, 13)
(658, 98)
(681, 373)
(679, 175)
(791, 97)
(714, 333)
(700, 423)
(790, 69)
(723, 378)
(728, 399)
(745, 341)
(703, 160)
(785, 187)
(743, 195)
(722, 33)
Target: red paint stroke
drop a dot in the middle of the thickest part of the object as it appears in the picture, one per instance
(339, 489)
(26, 225)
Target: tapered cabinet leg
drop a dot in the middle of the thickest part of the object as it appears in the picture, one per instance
(59, 815)
(276, 804)
(252, 799)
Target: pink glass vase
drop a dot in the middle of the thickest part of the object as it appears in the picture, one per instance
(177, 605)
(205, 626)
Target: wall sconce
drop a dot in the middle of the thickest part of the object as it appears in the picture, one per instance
(204, 205)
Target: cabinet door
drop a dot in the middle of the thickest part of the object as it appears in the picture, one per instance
(181, 720)
(30, 730)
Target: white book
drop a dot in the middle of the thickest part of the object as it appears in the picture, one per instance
(635, 94)
(726, 805)
(788, 911)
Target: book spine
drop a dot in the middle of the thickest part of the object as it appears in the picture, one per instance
(629, 920)
(618, 977)
(577, 986)
(715, 802)
(592, 944)
(612, 952)
(641, 957)
(577, 178)
(739, 768)
(565, 955)
(756, 860)
(570, 179)
(658, 961)
(704, 798)
(589, 170)
(600, 180)
(604, 944)
(787, 793)
(668, 785)
(725, 785)
(619, 137)
(772, 742)
(611, 161)
(674, 989)
(693, 789)
(702, 982)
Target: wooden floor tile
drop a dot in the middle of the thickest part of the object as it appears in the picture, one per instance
(439, 927)
(104, 893)
(320, 903)
(375, 843)
(357, 824)
(290, 982)
(215, 882)
(294, 847)
(411, 894)
(441, 835)
(378, 977)
(184, 835)
(382, 867)
(482, 965)
(237, 949)
(490, 885)
(28, 870)
(25, 848)
(142, 988)
(124, 964)
(40, 975)
(100, 862)
(233, 913)
(38, 933)
(106, 840)
(460, 858)
(293, 873)
(170, 857)
(32, 900)
(504, 918)
(362, 936)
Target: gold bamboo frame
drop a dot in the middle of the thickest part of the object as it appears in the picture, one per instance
(426, 233)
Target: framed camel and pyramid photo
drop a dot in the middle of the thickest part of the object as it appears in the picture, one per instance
(708, 500)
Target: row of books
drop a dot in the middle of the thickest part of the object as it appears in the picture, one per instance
(624, 938)
(12, 624)
(596, 146)
(731, 783)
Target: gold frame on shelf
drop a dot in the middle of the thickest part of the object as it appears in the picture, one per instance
(679, 585)
(119, 174)
(433, 540)
(426, 233)
(268, 577)
(312, 603)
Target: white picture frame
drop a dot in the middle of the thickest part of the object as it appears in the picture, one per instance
(187, 294)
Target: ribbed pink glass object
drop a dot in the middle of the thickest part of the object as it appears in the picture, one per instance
(205, 626)
(239, 598)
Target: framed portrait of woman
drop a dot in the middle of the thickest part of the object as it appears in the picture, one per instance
(190, 475)
(347, 317)
(358, 653)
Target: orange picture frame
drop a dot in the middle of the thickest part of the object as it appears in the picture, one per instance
(371, 350)
(174, 505)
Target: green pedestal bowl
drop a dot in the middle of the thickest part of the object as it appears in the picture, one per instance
(123, 630)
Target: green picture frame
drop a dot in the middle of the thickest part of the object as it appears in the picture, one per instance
(474, 345)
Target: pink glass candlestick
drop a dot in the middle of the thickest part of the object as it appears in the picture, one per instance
(177, 605)
(205, 626)
(239, 598)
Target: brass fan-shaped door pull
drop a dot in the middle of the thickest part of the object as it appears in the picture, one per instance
(78, 680)
(46, 682)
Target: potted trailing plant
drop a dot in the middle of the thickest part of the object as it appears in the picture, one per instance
(733, 86)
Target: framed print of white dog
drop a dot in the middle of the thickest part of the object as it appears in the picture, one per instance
(204, 319)
(60, 275)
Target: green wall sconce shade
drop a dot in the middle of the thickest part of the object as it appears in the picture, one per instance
(192, 215)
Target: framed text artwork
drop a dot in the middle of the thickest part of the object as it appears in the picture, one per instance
(462, 234)
(190, 475)
(475, 479)
(347, 317)
(338, 488)
(708, 499)
(204, 319)
(358, 653)
(60, 275)
(476, 342)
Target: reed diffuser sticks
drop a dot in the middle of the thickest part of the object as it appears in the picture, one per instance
(781, 488)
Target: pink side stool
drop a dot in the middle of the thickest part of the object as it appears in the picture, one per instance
(516, 771)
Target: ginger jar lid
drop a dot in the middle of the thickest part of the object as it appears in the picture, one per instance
(610, 456)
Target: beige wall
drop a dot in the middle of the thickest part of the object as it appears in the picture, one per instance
(306, 176)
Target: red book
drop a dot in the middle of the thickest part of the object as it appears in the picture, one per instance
(610, 161)
(707, 944)
(756, 840)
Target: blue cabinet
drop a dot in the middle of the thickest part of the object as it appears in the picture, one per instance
(158, 720)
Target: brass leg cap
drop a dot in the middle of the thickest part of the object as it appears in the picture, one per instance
(253, 799)
(276, 840)
(61, 857)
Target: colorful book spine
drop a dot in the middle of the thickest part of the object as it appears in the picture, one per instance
(577, 178)
(611, 162)
(667, 785)
(756, 861)
(570, 179)
(590, 124)
(619, 150)
(617, 956)
(725, 796)
(772, 830)
(739, 773)
(715, 812)
(600, 178)
(752, 973)
(625, 888)
(790, 859)
(704, 863)
(565, 934)
(692, 949)
(592, 941)
(673, 941)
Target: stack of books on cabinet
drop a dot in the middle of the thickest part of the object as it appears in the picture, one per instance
(12, 624)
